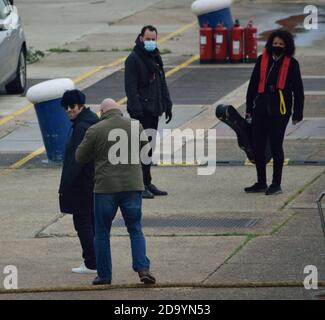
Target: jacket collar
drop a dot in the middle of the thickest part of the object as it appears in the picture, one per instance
(80, 116)
(111, 113)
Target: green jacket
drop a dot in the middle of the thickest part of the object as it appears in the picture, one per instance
(110, 176)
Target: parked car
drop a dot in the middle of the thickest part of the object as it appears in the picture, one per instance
(13, 50)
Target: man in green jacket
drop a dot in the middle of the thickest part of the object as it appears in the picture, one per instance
(114, 145)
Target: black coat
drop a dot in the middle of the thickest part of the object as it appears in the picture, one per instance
(147, 91)
(268, 103)
(77, 181)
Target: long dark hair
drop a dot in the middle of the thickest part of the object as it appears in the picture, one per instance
(287, 37)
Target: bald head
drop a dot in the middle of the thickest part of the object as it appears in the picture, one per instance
(107, 105)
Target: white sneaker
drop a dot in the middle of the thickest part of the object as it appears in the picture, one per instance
(83, 270)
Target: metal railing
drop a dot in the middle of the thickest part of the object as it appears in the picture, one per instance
(320, 210)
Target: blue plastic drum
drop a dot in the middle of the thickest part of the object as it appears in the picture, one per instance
(213, 12)
(53, 121)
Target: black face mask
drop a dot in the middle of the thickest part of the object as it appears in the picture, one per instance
(278, 51)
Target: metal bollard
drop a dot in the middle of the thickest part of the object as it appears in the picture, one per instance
(320, 210)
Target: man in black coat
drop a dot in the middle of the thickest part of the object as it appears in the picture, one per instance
(147, 93)
(77, 181)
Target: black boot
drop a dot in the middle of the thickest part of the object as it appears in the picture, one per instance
(155, 191)
(146, 194)
(273, 189)
(256, 188)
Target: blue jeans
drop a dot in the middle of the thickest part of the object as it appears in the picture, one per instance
(106, 206)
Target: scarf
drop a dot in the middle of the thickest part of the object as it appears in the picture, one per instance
(152, 60)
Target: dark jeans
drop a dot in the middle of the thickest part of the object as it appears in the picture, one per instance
(272, 127)
(84, 225)
(106, 206)
(148, 122)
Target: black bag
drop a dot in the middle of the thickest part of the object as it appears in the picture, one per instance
(243, 129)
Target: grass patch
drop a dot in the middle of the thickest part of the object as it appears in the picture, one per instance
(58, 50)
(87, 49)
(34, 55)
(244, 243)
(301, 190)
(165, 51)
(280, 226)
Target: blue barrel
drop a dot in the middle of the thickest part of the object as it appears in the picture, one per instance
(213, 12)
(53, 121)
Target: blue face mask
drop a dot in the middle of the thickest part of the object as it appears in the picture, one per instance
(150, 45)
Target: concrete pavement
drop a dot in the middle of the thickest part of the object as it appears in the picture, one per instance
(207, 231)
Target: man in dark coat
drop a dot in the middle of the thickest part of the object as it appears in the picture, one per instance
(77, 181)
(147, 93)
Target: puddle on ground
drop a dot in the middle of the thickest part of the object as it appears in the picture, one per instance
(295, 25)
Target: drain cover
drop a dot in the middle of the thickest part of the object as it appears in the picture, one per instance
(192, 222)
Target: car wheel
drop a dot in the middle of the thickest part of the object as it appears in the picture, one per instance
(18, 85)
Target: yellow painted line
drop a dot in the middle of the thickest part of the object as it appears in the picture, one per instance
(88, 74)
(21, 162)
(178, 164)
(120, 102)
(249, 163)
(122, 60)
(169, 73)
(12, 116)
(177, 32)
(182, 66)
(97, 69)
(6, 119)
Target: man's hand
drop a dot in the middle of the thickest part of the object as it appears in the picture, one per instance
(169, 116)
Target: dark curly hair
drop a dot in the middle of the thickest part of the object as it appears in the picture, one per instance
(287, 37)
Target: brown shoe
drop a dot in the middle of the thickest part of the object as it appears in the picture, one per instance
(146, 277)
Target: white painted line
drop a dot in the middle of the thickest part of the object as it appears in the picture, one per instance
(313, 77)
(314, 93)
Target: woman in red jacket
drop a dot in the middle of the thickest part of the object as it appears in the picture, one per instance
(275, 93)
